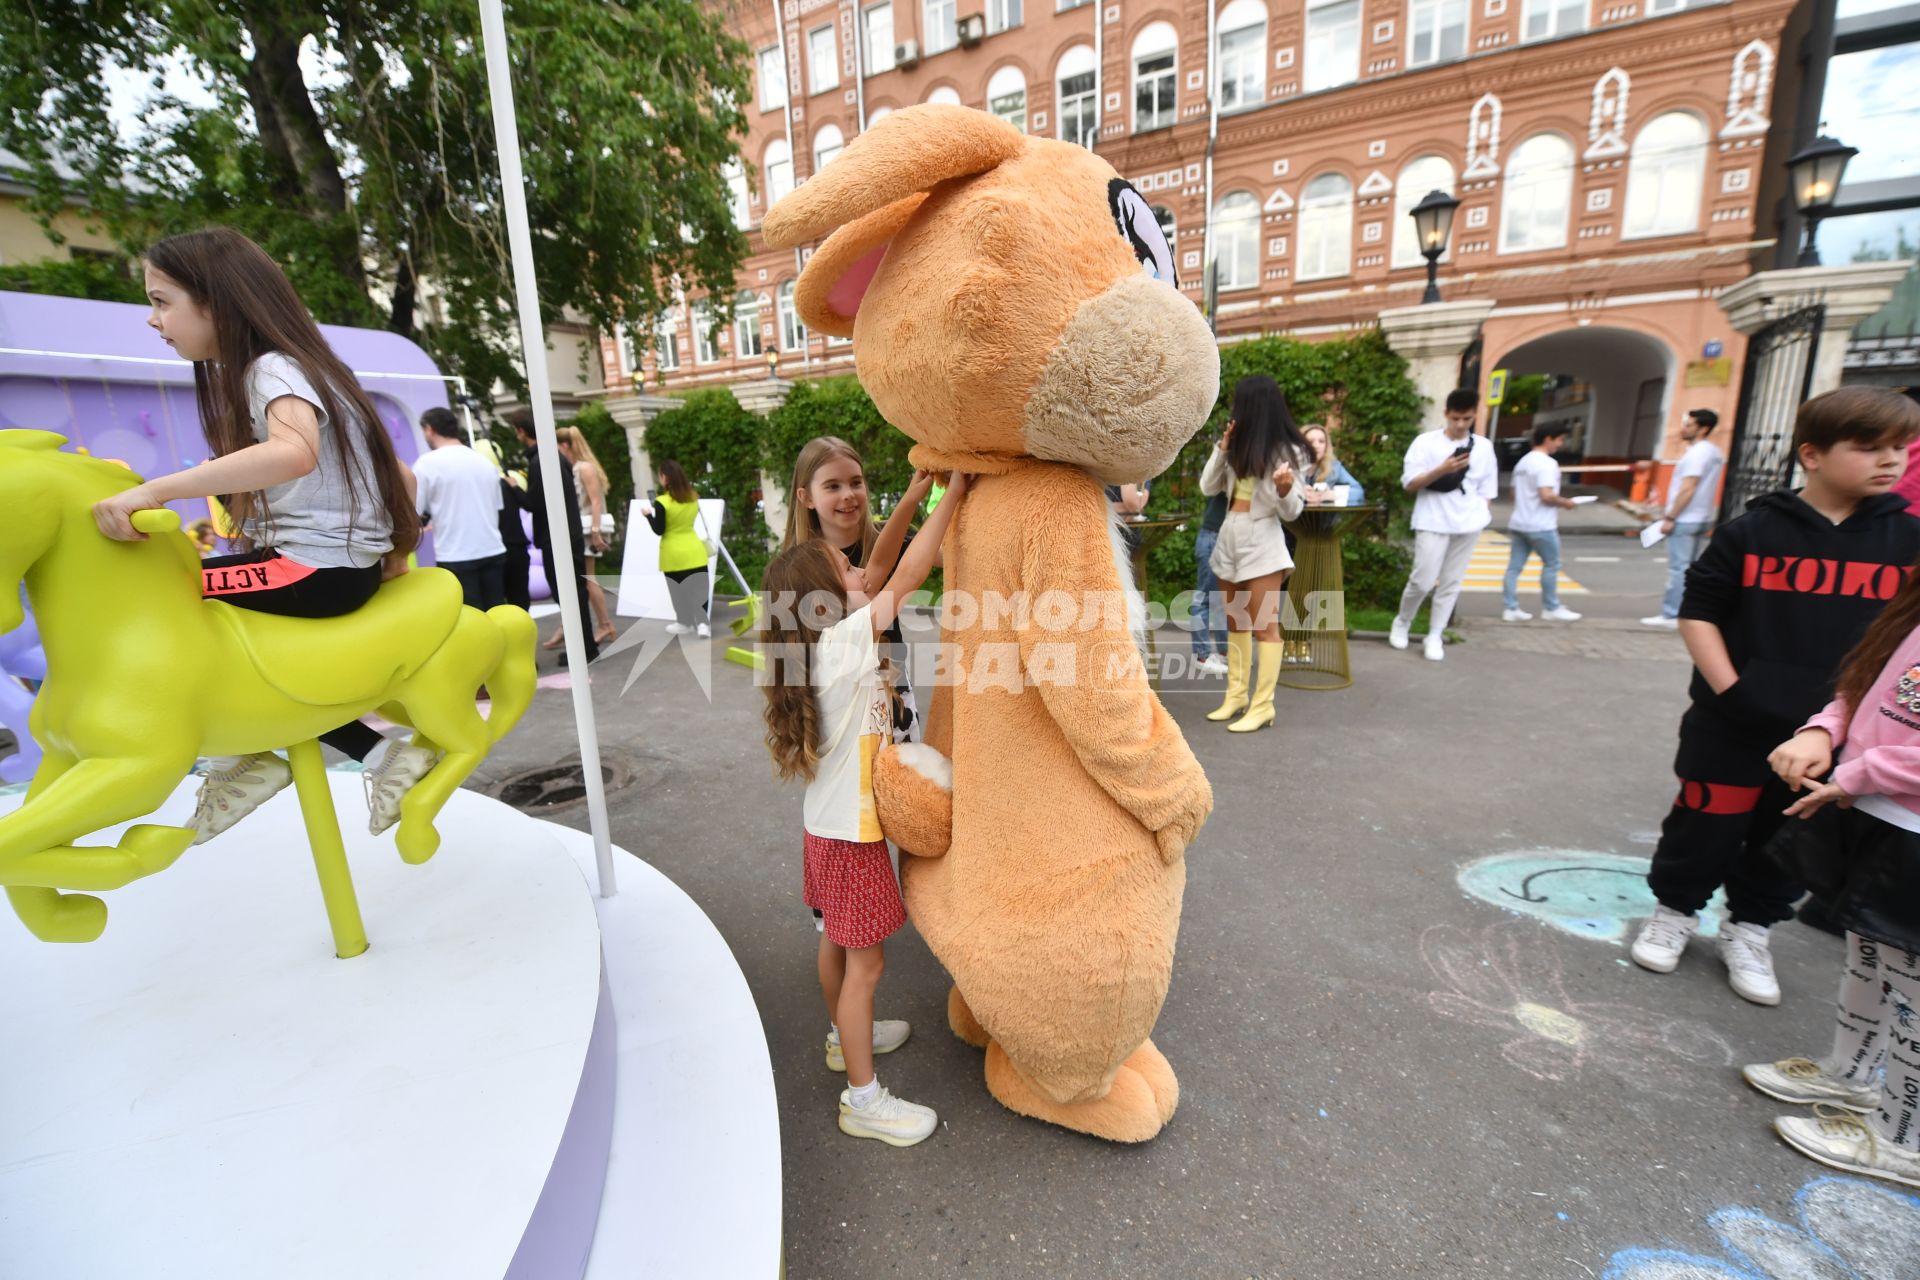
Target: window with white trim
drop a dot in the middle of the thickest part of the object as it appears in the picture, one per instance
(736, 175)
(1666, 173)
(1241, 61)
(876, 23)
(1332, 54)
(823, 60)
(1544, 19)
(945, 93)
(666, 344)
(1156, 77)
(793, 333)
(1537, 195)
(1002, 15)
(1436, 31)
(706, 348)
(1326, 228)
(1007, 97)
(1077, 104)
(779, 167)
(937, 25)
(1236, 241)
(746, 325)
(1428, 173)
(624, 354)
(878, 114)
(773, 79)
(828, 143)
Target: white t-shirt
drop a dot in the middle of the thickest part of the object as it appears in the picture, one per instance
(317, 520)
(1702, 459)
(1531, 474)
(855, 722)
(460, 491)
(1463, 510)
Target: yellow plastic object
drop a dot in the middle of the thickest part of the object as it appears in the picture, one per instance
(143, 676)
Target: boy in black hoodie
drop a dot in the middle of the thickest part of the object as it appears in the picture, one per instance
(1780, 596)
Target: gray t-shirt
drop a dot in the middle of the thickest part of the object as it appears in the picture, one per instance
(317, 520)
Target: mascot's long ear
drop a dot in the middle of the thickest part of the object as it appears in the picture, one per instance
(866, 195)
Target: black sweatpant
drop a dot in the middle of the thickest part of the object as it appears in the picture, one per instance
(267, 582)
(515, 570)
(482, 581)
(1730, 805)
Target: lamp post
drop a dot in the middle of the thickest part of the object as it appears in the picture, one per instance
(773, 362)
(1433, 221)
(1814, 172)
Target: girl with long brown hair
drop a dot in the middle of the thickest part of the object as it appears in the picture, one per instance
(827, 717)
(324, 507)
(674, 514)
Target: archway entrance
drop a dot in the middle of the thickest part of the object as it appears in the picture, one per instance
(1611, 386)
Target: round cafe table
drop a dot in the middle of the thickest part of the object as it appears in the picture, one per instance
(1314, 626)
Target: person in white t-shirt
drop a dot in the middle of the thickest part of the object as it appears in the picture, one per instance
(1693, 496)
(1535, 526)
(828, 714)
(459, 495)
(1454, 475)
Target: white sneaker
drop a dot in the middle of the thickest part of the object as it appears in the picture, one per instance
(894, 1121)
(703, 630)
(1397, 633)
(1213, 665)
(1804, 1081)
(1663, 939)
(230, 794)
(678, 629)
(1561, 614)
(387, 785)
(1843, 1140)
(1436, 650)
(1745, 950)
(1662, 621)
(1515, 615)
(887, 1036)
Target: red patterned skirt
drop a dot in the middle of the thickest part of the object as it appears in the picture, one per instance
(853, 888)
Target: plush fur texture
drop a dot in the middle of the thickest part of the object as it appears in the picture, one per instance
(1008, 329)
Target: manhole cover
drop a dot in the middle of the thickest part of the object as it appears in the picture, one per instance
(555, 786)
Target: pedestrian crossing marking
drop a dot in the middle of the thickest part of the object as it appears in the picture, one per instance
(1487, 570)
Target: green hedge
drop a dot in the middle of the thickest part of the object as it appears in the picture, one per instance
(719, 445)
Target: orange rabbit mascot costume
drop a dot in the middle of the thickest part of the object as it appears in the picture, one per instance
(1011, 303)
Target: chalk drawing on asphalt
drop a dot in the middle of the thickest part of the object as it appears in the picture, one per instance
(1507, 977)
(1589, 895)
(1844, 1229)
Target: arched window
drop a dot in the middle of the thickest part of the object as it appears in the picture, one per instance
(736, 175)
(1326, 228)
(1428, 173)
(746, 324)
(878, 114)
(1242, 56)
(827, 143)
(793, 334)
(779, 166)
(1007, 97)
(945, 93)
(1539, 194)
(1079, 109)
(1665, 174)
(1156, 77)
(1236, 241)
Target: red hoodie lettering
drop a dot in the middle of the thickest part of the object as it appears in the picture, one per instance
(1808, 576)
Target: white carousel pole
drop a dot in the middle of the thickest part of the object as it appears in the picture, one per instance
(533, 343)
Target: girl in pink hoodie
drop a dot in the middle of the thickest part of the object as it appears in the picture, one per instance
(1858, 847)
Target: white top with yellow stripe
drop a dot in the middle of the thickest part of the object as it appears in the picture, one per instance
(855, 722)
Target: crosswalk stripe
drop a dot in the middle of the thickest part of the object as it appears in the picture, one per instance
(1487, 569)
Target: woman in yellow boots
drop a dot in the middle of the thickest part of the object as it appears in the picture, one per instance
(1257, 464)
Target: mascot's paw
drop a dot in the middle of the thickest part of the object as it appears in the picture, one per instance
(961, 1020)
(1173, 838)
(913, 795)
(1152, 1066)
(1132, 1111)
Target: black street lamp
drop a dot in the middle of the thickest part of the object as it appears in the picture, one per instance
(1433, 221)
(1814, 173)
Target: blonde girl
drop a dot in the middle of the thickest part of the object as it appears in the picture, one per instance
(596, 525)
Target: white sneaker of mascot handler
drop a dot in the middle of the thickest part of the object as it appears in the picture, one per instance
(1013, 311)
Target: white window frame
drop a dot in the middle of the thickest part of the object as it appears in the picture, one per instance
(735, 174)
(793, 330)
(828, 143)
(747, 341)
(1077, 116)
(706, 340)
(1437, 11)
(1676, 195)
(816, 81)
(945, 93)
(1317, 221)
(1244, 75)
(1165, 44)
(1329, 69)
(1003, 15)
(1515, 183)
(1236, 260)
(625, 358)
(880, 56)
(666, 343)
(1554, 12)
(776, 59)
(1007, 97)
(938, 26)
(1410, 188)
(776, 157)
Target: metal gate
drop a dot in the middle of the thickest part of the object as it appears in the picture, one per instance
(1773, 385)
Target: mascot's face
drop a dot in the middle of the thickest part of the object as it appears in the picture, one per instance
(1009, 297)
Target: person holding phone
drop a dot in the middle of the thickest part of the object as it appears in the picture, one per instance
(1453, 475)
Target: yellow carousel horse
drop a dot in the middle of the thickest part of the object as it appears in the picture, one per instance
(143, 675)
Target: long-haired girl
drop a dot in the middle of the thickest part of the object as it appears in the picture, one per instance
(827, 717)
(1257, 463)
(325, 509)
(674, 515)
(596, 525)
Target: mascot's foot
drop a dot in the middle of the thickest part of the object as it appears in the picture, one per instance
(1134, 1109)
(961, 1020)
(52, 916)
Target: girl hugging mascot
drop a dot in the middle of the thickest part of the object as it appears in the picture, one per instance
(1014, 312)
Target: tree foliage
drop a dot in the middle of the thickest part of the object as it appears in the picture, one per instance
(101, 279)
(372, 174)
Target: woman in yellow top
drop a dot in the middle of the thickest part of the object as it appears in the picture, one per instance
(683, 554)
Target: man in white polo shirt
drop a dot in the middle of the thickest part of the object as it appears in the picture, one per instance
(1693, 495)
(1453, 473)
(459, 497)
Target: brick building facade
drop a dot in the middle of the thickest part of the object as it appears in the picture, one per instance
(1609, 156)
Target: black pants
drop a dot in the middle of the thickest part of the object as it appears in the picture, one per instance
(515, 569)
(482, 581)
(688, 590)
(1728, 808)
(586, 605)
(266, 582)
